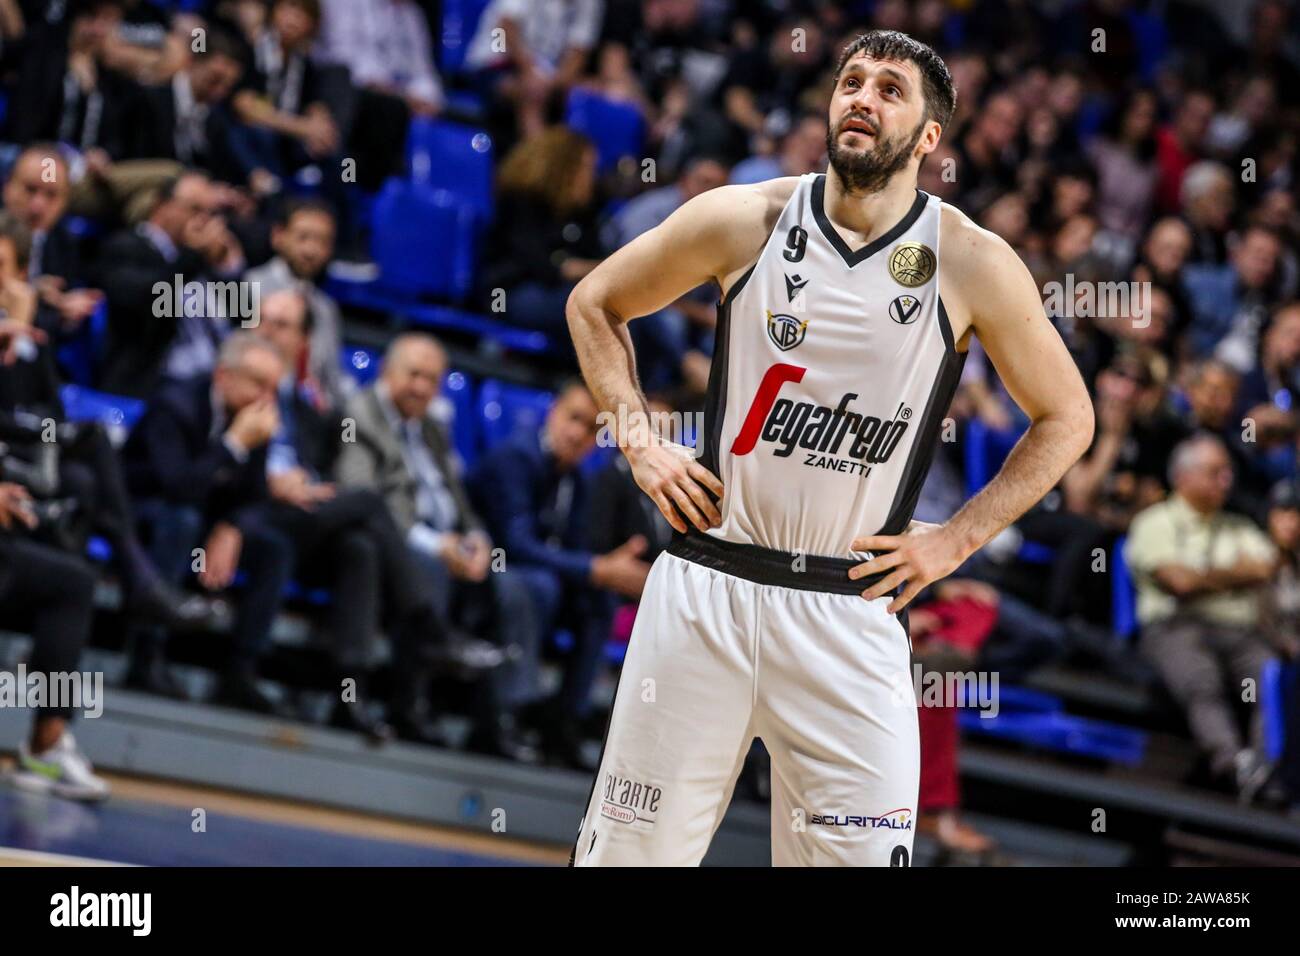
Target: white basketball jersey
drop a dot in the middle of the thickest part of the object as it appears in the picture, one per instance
(832, 374)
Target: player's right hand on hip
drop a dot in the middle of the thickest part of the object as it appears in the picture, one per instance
(678, 484)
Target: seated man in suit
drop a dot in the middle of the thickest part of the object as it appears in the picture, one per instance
(196, 465)
(188, 118)
(73, 463)
(303, 239)
(347, 539)
(36, 194)
(535, 500)
(184, 236)
(401, 450)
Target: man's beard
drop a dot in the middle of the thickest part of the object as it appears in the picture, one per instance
(868, 171)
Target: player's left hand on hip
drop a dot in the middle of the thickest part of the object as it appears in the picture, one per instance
(923, 554)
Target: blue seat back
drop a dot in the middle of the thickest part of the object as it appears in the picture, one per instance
(507, 410)
(424, 241)
(455, 158)
(617, 129)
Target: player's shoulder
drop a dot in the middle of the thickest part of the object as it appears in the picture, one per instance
(753, 203)
(967, 246)
(980, 268)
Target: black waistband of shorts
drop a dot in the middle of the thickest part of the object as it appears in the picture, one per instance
(768, 566)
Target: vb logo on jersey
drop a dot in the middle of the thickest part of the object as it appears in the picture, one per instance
(912, 264)
(785, 331)
(905, 309)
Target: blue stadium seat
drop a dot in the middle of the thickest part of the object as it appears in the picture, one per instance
(117, 413)
(361, 363)
(405, 311)
(1123, 594)
(455, 158)
(1036, 719)
(506, 410)
(459, 23)
(424, 241)
(985, 450)
(1274, 685)
(462, 392)
(617, 129)
(78, 357)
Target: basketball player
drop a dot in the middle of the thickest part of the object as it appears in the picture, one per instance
(849, 300)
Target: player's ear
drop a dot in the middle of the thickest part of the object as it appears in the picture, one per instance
(929, 140)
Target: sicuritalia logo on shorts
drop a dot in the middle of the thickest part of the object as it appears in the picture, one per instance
(837, 439)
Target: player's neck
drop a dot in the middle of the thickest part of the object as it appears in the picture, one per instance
(862, 218)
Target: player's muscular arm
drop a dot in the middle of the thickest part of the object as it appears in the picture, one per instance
(997, 299)
(714, 236)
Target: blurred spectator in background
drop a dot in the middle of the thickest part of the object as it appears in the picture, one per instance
(385, 46)
(545, 237)
(79, 467)
(404, 452)
(1126, 171)
(666, 349)
(1280, 622)
(188, 118)
(1230, 303)
(346, 540)
(285, 123)
(535, 498)
(802, 150)
(1178, 147)
(36, 194)
(526, 54)
(184, 240)
(52, 594)
(303, 239)
(1199, 573)
(197, 463)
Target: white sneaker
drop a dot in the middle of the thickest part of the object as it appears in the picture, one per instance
(62, 770)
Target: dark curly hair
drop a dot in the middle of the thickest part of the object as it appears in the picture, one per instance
(940, 94)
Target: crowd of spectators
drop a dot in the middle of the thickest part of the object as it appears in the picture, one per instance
(1140, 158)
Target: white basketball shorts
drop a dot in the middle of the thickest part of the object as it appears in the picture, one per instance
(721, 654)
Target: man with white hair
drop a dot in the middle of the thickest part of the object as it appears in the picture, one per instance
(1199, 571)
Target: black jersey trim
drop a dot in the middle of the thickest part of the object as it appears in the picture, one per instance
(921, 454)
(850, 257)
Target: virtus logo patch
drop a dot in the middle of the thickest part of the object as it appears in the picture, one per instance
(785, 331)
(905, 309)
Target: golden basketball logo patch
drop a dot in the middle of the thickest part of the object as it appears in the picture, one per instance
(912, 264)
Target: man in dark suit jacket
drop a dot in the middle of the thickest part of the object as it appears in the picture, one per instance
(188, 117)
(147, 340)
(36, 194)
(403, 452)
(535, 499)
(196, 463)
(345, 538)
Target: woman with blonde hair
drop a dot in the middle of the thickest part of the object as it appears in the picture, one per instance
(544, 237)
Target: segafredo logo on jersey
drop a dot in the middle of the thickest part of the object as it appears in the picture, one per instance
(838, 439)
(900, 819)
